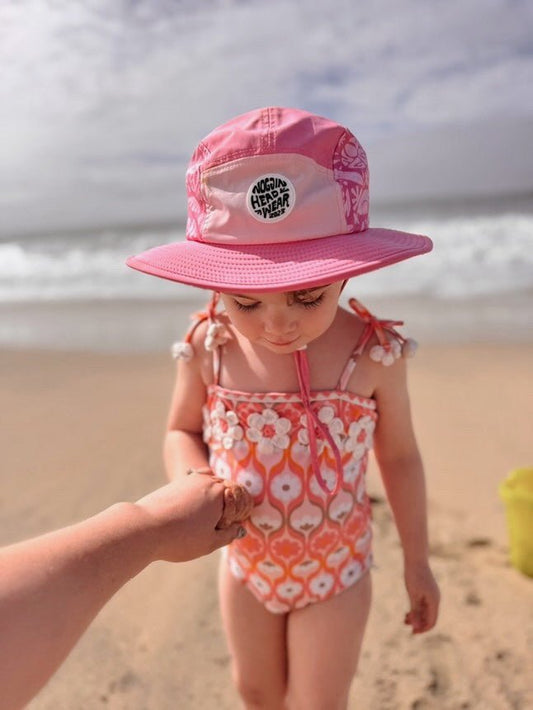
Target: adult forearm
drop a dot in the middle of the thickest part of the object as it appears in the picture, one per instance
(53, 586)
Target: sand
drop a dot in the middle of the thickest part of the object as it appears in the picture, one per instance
(81, 431)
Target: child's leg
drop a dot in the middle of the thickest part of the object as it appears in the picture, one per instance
(324, 641)
(256, 641)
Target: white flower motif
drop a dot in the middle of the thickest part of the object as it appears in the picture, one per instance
(321, 584)
(270, 568)
(221, 468)
(207, 428)
(252, 480)
(289, 590)
(359, 439)
(363, 543)
(222, 425)
(235, 568)
(351, 471)
(330, 479)
(336, 428)
(303, 435)
(262, 586)
(266, 518)
(335, 558)
(351, 573)
(306, 517)
(286, 486)
(182, 351)
(340, 506)
(303, 569)
(268, 430)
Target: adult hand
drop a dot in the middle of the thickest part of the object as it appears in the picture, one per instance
(194, 515)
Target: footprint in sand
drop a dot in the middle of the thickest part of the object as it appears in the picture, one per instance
(445, 686)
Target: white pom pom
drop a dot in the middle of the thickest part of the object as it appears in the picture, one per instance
(396, 349)
(376, 353)
(213, 329)
(210, 343)
(388, 359)
(216, 335)
(409, 348)
(182, 351)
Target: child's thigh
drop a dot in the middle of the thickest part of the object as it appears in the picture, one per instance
(256, 637)
(324, 641)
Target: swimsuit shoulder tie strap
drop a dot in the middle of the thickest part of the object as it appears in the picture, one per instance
(391, 344)
(215, 336)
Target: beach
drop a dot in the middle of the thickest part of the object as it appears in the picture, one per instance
(83, 429)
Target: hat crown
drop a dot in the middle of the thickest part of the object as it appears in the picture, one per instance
(275, 165)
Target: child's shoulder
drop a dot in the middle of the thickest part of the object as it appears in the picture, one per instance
(193, 349)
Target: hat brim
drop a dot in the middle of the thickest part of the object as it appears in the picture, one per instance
(279, 267)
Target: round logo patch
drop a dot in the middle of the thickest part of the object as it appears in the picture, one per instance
(270, 198)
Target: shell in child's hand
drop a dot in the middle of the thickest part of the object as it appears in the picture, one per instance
(238, 504)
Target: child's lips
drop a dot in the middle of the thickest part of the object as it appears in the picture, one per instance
(281, 343)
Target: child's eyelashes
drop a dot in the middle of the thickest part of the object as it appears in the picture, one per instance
(312, 304)
(247, 307)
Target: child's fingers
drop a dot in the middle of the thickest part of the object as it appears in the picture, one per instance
(228, 511)
(238, 504)
(432, 615)
(422, 617)
(243, 502)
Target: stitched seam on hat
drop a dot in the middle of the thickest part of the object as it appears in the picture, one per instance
(269, 137)
(340, 200)
(206, 152)
(215, 170)
(335, 151)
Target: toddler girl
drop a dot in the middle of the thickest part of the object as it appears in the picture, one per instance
(285, 392)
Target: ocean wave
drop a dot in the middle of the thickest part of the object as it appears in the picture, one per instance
(472, 256)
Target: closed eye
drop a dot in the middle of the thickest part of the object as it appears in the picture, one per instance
(246, 307)
(312, 304)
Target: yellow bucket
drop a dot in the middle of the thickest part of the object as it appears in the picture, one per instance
(516, 492)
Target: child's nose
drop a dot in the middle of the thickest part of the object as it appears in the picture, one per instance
(279, 321)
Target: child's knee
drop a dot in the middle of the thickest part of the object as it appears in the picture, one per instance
(258, 694)
(329, 700)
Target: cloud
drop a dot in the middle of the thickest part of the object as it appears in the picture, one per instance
(103, 102)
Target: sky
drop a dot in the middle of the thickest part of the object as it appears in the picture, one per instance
(103, 101)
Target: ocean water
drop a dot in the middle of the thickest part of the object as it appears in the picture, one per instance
(482, 255)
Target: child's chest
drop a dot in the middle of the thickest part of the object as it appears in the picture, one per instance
(257, 370)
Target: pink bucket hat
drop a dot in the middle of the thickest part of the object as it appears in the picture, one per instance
(277, 201)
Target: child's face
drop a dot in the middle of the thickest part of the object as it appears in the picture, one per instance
(283, 322)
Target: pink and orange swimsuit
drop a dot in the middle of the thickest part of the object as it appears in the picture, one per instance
(303, 456)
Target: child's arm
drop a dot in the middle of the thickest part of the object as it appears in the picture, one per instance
(403, 476)
(184, 447)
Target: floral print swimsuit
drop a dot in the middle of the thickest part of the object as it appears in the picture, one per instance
(303, 457)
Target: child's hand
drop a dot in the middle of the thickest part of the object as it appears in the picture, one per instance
(238, 504)
(424, 596)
